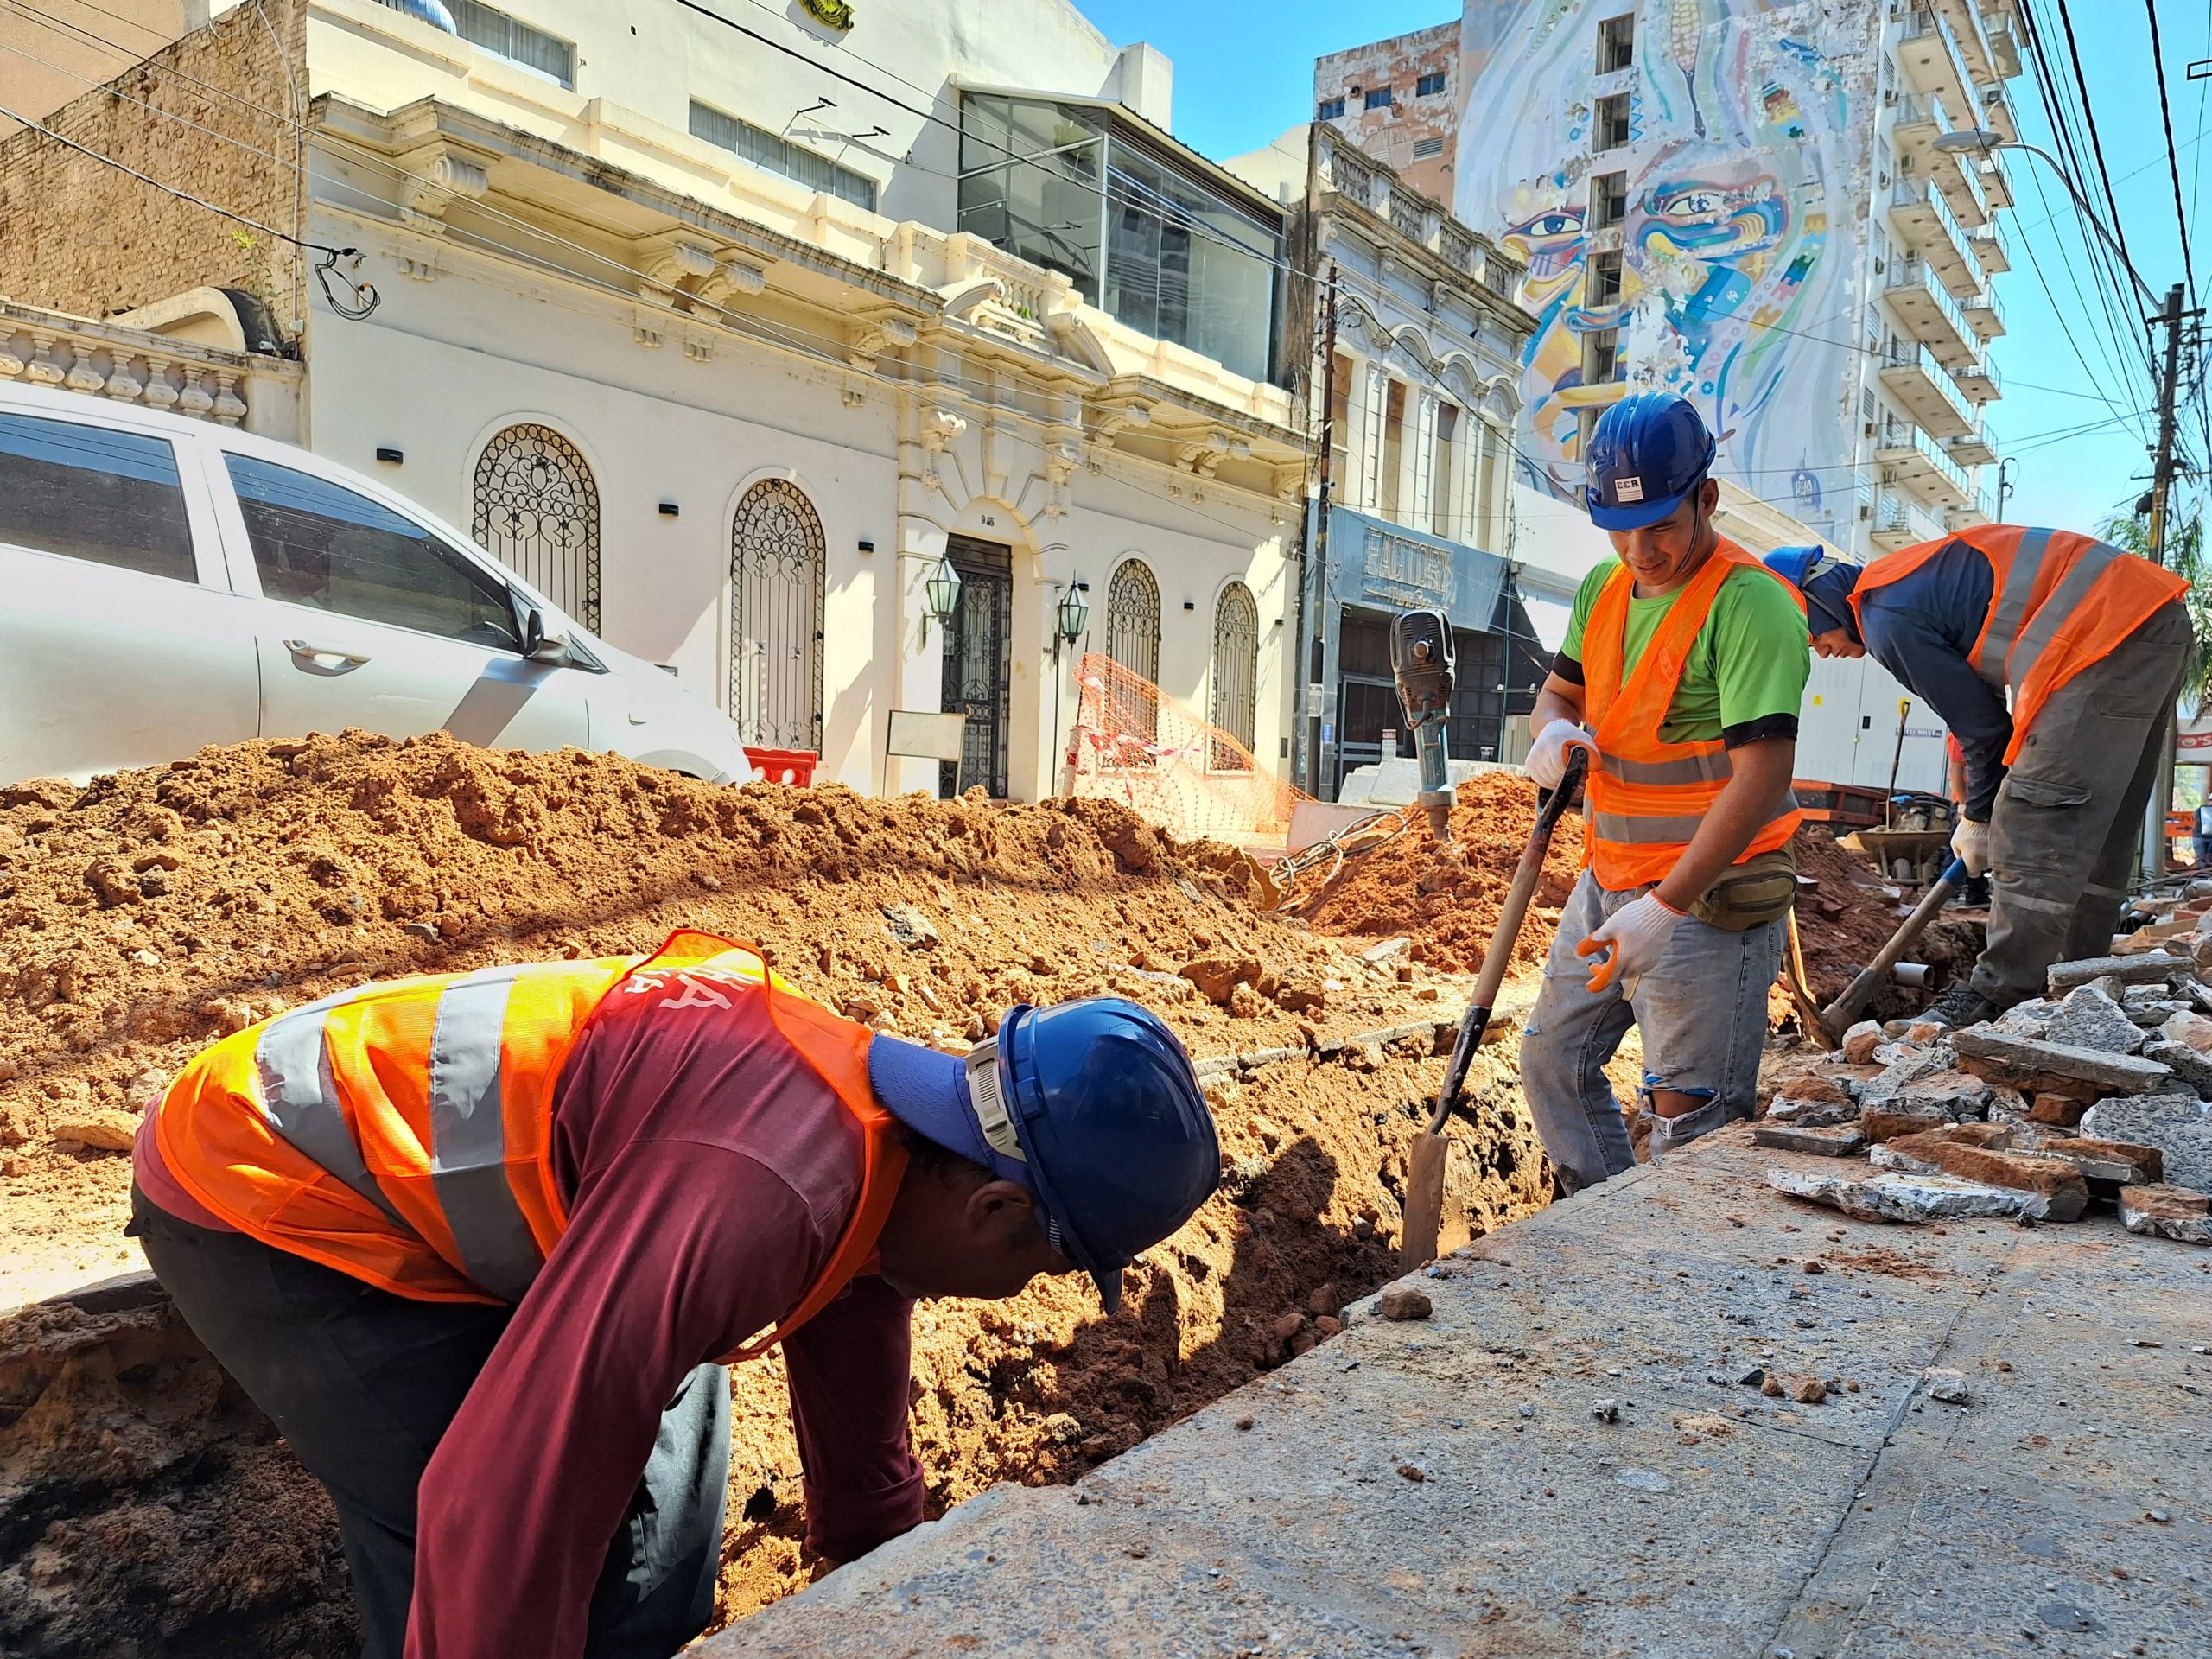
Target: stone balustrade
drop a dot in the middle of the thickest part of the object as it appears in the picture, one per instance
(40, 347)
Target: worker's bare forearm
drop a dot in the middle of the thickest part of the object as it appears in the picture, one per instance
(1558, 699)
(1754, 794)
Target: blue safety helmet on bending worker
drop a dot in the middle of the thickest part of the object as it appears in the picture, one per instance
(1826, 582)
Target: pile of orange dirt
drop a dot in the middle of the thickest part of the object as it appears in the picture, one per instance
(1445, 898)
(146, 1507)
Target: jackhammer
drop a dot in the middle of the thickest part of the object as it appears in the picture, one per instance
(1420, 660)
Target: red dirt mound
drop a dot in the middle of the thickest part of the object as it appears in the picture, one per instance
(155, 910)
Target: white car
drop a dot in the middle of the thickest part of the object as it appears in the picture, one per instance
(166, 584)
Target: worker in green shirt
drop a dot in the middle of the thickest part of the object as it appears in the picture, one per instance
(1681, 673)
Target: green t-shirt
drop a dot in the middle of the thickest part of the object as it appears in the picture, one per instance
(1752, 658)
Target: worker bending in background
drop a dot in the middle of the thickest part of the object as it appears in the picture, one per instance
(2089, 644)
(480, 1244)
(1682, 671)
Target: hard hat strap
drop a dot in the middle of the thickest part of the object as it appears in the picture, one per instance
(987, 1098)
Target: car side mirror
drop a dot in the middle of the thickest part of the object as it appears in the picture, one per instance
(537, 645)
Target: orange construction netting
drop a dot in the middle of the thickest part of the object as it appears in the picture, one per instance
(1134, 744)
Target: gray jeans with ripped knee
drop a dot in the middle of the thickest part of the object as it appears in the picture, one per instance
(1702, 1011)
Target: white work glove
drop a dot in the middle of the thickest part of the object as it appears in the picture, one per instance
(1546, 761)
(1637, 933)
(1970, 845)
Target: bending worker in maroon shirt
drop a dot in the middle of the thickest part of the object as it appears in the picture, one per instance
(481, 1245)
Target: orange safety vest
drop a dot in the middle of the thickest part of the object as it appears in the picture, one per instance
(401, 1132)
(1647, 797)
(2061, 602)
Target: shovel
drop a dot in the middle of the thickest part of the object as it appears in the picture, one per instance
(1838, 1016)
(1425, 1181)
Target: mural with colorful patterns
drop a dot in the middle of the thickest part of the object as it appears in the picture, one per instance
(1744, 233)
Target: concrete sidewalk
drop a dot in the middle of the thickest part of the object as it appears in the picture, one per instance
(1445, 1488)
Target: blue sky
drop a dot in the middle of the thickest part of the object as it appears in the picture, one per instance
(1238, 84)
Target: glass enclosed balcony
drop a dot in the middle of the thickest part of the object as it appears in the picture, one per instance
(1156, 237)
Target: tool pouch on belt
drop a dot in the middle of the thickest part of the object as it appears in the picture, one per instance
(1760, 889)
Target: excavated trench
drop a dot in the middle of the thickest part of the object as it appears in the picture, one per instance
(147, 1507)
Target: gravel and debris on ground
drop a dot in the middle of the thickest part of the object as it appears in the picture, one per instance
(2095, 1097)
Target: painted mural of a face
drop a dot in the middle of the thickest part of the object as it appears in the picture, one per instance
(1738, 142)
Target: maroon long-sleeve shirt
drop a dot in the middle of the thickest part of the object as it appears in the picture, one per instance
(709, 1173)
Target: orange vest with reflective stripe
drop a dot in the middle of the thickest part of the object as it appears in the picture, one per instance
(1648, 795)
(2061, 602)
(401, 1132)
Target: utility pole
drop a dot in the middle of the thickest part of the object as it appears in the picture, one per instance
(1317, 576)
(2156, 848)
(2162, 469)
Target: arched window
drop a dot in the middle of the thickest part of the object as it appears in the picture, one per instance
(1133, 640)
(776, 571)
(1236, 702)
(535, 508)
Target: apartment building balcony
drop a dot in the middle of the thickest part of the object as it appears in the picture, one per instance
(1977, 449)
(2005, 50)
(1914, 379)
(1964, 19)
(1976, 511)
(1899, 524)
(1997, 114)
(1922, 220)
(1932, 60)
(1930, 314)
(1989, 174)
(1984, 314)
(1978, 381)
(1917, 463)
(1988, 245)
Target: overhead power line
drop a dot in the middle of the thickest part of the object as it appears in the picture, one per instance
(2173, 157)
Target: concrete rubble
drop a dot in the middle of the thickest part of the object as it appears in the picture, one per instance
(2063, 1107)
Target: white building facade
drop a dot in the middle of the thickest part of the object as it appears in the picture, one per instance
(1407, 345)
(712, 332)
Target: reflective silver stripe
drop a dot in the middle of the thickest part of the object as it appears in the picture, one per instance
(1693, 769)
(1647, 832)
(2072, 592)
(2011, 605)
(469, 1138)
(299, 1097)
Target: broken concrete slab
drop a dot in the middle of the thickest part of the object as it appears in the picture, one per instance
(2117, 1073)
(2190, 1027)
(2129, 970)
(1892, 1196)
(2118, 1161)
(1820, 1141)
(1954, 1093)
(1810, 1114)
(2179, 1127)
(1861, 1040)
(2063, 1192)
(1908, 1064)
(2160, 1211)
(2086, 1018)
(1879, 1123)
(2191, 1065)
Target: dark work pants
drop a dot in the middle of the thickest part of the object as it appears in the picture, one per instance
(2067, 831)
(362, 1384)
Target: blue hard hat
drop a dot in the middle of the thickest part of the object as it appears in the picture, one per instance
(1092, 1105)
(1825, 580)
(1649, 451)
(1120, 1143)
